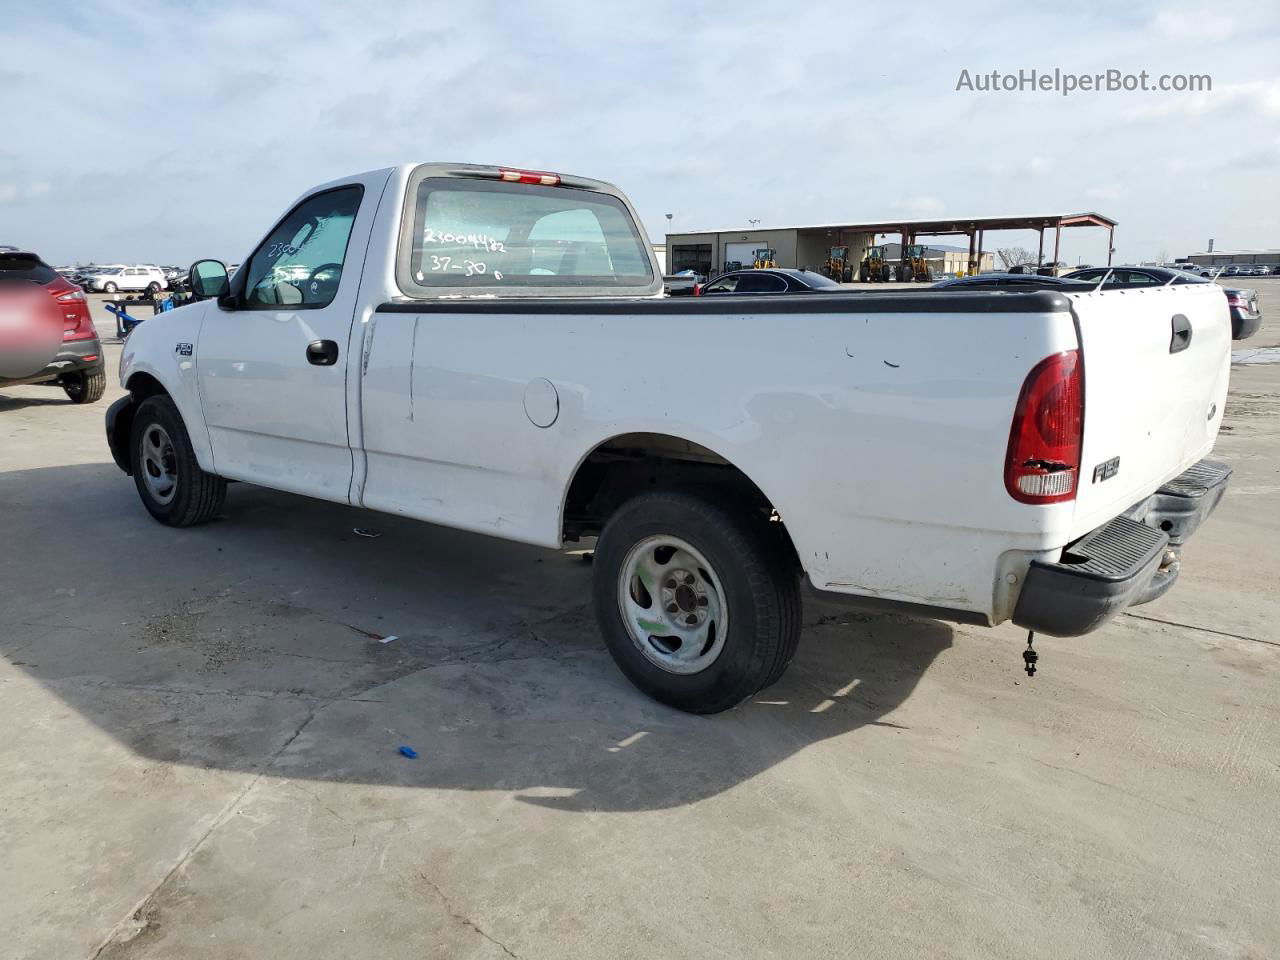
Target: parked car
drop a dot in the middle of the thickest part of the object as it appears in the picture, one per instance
(1024, 281)
(84, 276)
(1246, 315)
(769, 280)
(137, 278)
(460, 354)
(74, 358)
(684, 283)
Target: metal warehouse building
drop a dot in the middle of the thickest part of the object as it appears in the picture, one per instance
(710, 251)
(1215, 258)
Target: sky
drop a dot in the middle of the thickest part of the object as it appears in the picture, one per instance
(156, 132)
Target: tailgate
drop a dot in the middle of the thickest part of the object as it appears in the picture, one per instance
(1153, 396)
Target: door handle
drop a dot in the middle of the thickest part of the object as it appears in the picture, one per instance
(322, 353)
(1181, 338)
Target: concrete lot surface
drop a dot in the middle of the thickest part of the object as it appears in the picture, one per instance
(201, 729)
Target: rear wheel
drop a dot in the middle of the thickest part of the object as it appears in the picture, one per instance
(697, 604)
(153, 288)
(84, 386)
(170, 482)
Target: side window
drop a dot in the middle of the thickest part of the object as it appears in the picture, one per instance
(1132, 276)
(761, 283)
(1092, 276)
(727, 285)
(300, 264)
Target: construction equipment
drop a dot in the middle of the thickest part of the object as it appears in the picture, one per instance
(838, 267)
(874, 267)
(915, 266)
(764, 258)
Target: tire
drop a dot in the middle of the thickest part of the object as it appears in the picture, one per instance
(109, 288)
(734, 571)
(193, 496)
(153, 288)
(84, 387)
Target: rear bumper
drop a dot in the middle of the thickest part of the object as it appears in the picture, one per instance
(1244, 324)
(75, 356)
(1133, 559)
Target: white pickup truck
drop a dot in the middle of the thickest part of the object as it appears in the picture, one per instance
(490, 349)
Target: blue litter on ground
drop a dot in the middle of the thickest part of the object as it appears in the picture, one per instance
(409, 752)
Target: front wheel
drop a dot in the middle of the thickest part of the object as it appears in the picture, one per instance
(170, 482)
(698, 605)
(109, 288)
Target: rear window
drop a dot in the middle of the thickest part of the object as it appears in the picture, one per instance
(501, 237)
(18, 266)
(818, 281)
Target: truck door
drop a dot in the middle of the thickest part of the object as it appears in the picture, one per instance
(273, 370)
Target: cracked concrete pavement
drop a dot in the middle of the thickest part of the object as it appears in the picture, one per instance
(201, 733)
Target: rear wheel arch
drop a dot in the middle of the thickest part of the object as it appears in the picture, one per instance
(627, 465)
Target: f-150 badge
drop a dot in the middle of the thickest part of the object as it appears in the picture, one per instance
(1106, 470)
(183, 349)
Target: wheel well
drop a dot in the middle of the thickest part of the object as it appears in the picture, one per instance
(627, 465)
(143, 385)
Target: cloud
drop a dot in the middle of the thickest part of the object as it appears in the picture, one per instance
(1106, 191)
(1195, 25)
(1259, 98)
(414, 43)
(715, 119)
(922, 206)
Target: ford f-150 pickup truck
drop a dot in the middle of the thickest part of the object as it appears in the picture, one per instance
(489, 349)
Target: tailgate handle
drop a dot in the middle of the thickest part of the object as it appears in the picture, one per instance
(1181, 338)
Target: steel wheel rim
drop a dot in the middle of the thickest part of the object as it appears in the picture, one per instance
(159, 463)
(682, 626)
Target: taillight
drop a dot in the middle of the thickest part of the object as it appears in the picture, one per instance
(77, 322)
(697, 289)
(1043, 462)
(530, 176)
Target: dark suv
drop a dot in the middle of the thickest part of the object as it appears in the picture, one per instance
(75, 363)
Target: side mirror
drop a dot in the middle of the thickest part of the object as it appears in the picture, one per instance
(209, 279)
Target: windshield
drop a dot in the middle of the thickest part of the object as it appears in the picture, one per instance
(495, 235)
